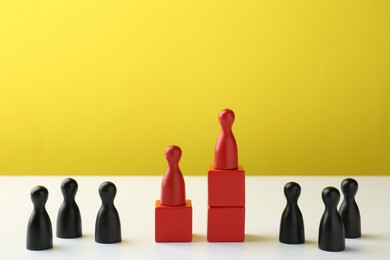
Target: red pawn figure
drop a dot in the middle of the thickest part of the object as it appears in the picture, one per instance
(173, 213)
(226, 156)
(173, 192)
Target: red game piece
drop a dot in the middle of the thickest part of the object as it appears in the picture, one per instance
(226, 224)
(226, 188)
(173, 213)
(173, 224)
(173, 187)
(225, 156)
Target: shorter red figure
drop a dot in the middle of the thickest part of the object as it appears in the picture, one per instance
(173, 213)
(226, 155)
(173, 191)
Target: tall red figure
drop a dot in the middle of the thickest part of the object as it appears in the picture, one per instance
(173, 192)
(226, 155)
(226, 187)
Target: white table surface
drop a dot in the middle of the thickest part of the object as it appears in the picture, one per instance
(135, 202)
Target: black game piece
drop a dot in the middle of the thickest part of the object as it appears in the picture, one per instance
(69, 218)
(39, 231)
(108, 226)
(291, 224)
(331, 233)
(349, 210)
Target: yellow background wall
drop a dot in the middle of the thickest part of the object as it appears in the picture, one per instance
(103, 87)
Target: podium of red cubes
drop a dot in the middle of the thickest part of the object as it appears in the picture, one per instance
(226, 194)
(226, 187)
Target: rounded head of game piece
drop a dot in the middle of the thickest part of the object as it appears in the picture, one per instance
(39, 196)
(349, 187)
(331, 197)
(226, 119)
(69, 187)
(173, 155)
(107, 192)
(292, 191)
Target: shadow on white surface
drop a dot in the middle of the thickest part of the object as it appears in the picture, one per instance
(310, 242)
(370, 237)
(198, 238)
(256, 238)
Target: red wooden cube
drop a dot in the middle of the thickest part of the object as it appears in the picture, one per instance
(226, 188)
(173, 223)
(226, 224)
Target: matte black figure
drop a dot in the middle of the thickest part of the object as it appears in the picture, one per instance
(108, 226)
(331, 233)
(39, 231)
(292, 230)
(69, 218)
(349, 210)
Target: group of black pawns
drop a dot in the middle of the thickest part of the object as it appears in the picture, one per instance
(39, 230)
(335, 225)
